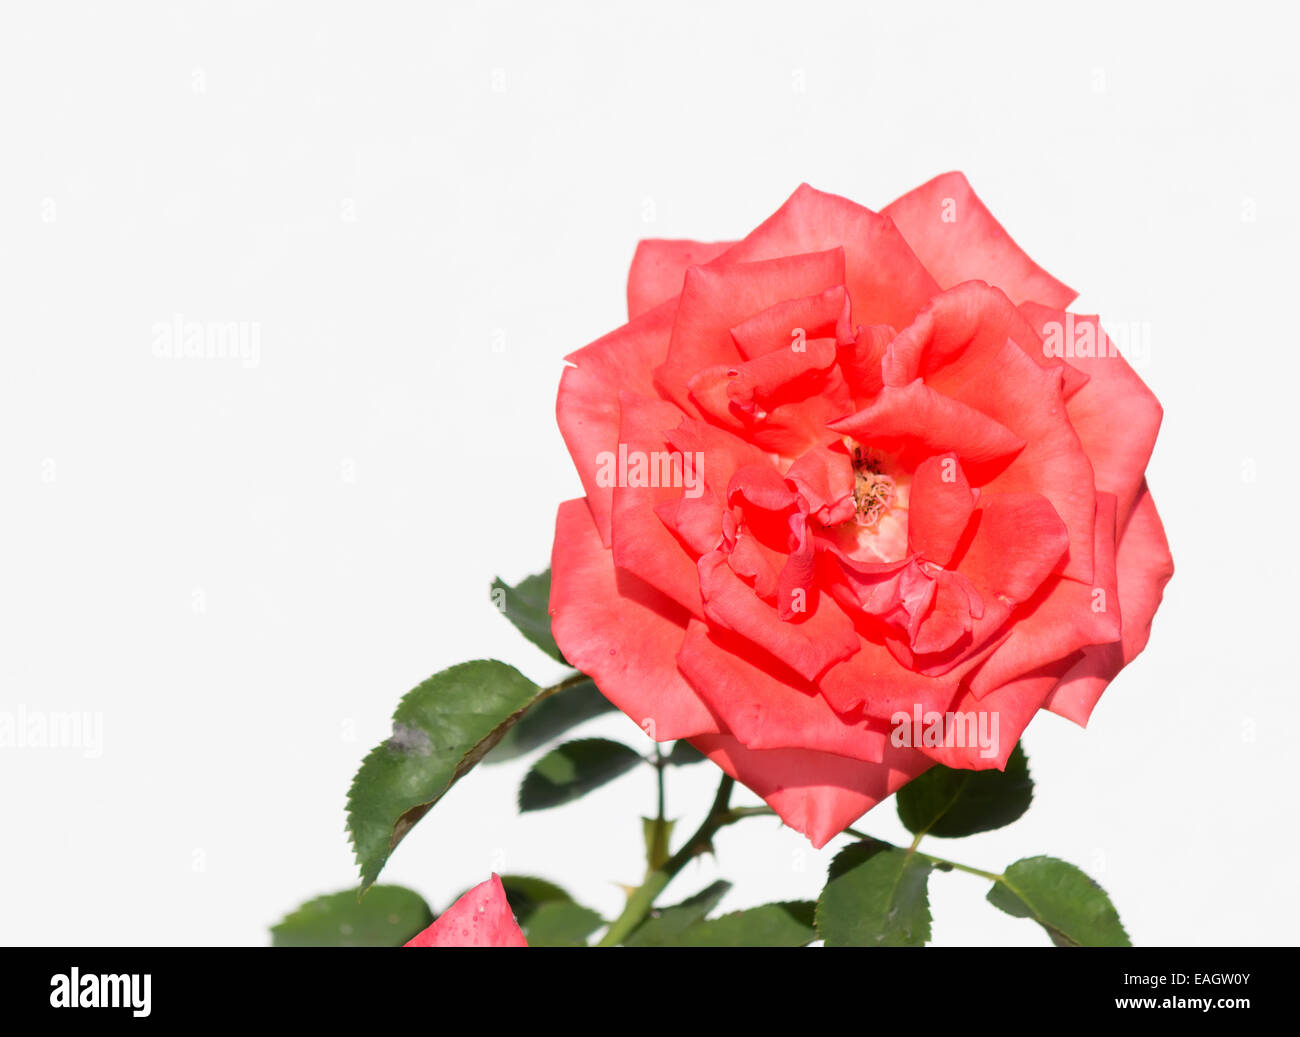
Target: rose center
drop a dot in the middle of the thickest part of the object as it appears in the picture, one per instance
(873, 490)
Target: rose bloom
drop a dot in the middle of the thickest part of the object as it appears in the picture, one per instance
(860, 497)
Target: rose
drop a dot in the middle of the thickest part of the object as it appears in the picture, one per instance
(848, 510)
(479, 918)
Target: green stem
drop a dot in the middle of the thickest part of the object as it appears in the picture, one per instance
(991, 876)
(659, 768)
(643, 898)
(739, 813)
(656, 850)
(571, 681)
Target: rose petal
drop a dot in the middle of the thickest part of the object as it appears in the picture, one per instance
(720, 295)
(964, 346)
(915, 421)
(983, 732)
(764, 704)
(658, 267)
(1116, 416)
(824, 478)
(697, 523)
(480, 918)
(593, 607)
(1018, 542)
(823, 635)
(939, 508)
(641, 543)
(1066, 616)
(887, 283)
(587, 408)
(1143, 566)
(957, 238)
(860, 361)
(825, 315)
(873, 683)
(816, 793)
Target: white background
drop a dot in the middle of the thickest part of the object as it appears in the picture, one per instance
(388, 191)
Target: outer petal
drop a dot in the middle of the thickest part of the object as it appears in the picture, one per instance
(957, 238)
(659, 266)
(594, 608)
(1144, 566)
(985, 731)
(480, 918)
(642, 544)
(1070, 615)
(886, 282)
(767, 706)
(587, 407)
(818, 794)
(1116, 416)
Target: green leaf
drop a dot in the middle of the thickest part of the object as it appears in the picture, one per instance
(547, 914)
(527, 607)
(561, 924)
(664, 928)
(441, 729)
(388, 917)
(684, 754)
(549, 719)
(952, 803)
(574, 769)
(876, 896)
(1075, 911)
(526, 894)
(772, 925)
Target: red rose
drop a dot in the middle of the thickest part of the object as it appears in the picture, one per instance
(480, 918)
(849, 509)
